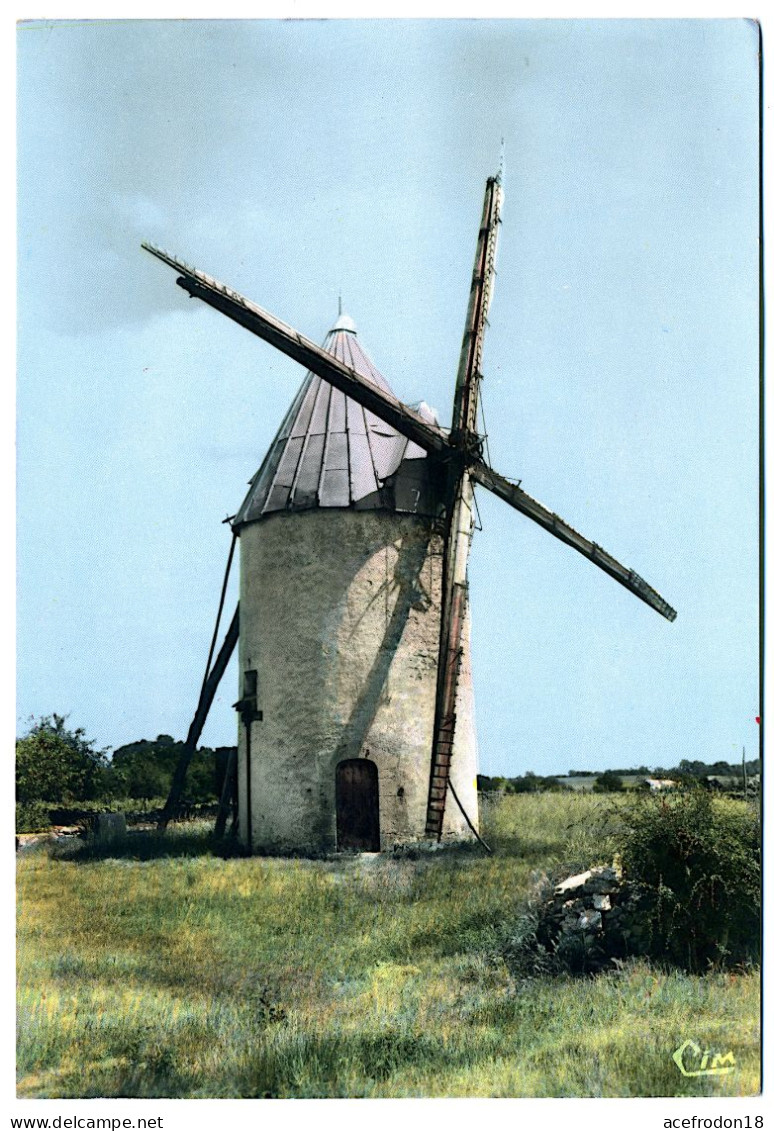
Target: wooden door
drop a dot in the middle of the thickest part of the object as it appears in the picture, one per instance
(357, 805)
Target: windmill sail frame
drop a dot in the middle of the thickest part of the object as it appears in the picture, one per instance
(458, 456)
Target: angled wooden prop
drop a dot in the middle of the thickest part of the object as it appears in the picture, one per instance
(458, 454)
(206, 699)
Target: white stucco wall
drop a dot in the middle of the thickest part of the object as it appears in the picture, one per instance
(340, 617)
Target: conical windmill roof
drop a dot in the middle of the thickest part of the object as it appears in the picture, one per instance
(331, 452)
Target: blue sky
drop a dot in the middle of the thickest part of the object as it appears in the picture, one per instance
(293, 160)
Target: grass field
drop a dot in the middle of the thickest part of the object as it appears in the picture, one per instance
(187, 975)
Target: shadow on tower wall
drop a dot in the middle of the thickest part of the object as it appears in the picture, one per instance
(410, 595)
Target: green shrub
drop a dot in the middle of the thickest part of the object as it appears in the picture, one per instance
(685, 892)
(609, 782)
(56, 762)
(32, 816)
(697, 861)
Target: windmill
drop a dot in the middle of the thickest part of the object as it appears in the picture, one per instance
(329, 752)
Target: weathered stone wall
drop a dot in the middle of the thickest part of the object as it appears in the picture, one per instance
(340, 617)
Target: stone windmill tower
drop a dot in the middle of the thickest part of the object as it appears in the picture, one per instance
(342, 544)
(356, 704)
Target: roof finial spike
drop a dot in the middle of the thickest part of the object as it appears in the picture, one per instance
(501, 170)
(344, 321)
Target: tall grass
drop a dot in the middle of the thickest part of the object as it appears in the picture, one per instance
(190, 975)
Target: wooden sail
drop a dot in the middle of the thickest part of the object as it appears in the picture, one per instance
(466, 441)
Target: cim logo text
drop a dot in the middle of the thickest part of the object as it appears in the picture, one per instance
(693, 1060)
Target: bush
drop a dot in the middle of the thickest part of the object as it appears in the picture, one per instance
(685, 891)
(55, 762)
(143, 769)
(609, 782)
(696, 859)
(32, 816)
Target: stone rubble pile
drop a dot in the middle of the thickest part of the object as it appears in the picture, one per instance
(590, 919)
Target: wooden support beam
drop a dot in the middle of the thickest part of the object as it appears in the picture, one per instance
(200, 718)
(227, 795)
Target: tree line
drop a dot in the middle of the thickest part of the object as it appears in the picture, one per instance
(694, 767)
(59, 766)
(612, 781)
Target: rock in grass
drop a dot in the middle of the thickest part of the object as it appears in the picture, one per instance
(572, 882)
(109, 827)
(590, 921)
